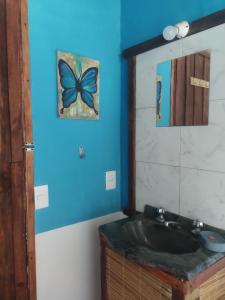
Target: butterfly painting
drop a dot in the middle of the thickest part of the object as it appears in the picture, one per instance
(78, 86)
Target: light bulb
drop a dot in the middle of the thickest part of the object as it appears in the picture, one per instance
(170, 32)
(183, 29)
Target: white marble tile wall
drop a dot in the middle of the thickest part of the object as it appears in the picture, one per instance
(146, 70)
(151, 142)
(154, 182)
(182, 168)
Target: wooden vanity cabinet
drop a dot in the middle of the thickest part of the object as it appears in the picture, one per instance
(123, 279)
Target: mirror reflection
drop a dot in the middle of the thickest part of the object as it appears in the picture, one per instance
(182, 93)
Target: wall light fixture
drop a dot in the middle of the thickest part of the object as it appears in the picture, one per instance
(180, 30)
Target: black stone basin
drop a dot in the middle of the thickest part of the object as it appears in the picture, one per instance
(160, 238)
(174, 250)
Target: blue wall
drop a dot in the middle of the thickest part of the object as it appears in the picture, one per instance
(142, 20)
(77, 192)
(97, 29)
(164, 71)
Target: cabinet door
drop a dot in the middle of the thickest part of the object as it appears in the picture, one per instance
(214, 287)
(126, 280)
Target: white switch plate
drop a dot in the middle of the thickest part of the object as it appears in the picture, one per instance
(41, 196)
(110, 180)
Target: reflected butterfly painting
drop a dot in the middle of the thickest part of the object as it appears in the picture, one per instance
(78, 86)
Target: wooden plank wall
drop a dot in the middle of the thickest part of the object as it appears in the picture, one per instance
(7, 283)
(190, 104)
(17, 251)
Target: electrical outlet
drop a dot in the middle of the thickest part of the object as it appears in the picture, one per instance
(41, 196)
(110, 180)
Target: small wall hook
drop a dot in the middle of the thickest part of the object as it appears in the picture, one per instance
(81, 152)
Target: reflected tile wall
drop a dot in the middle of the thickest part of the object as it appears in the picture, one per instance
(203, 147)
(158, 185)
(202, 195)
(210, 39)
(146, 70)
(151, 142)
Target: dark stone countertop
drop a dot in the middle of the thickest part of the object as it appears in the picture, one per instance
(183, 266)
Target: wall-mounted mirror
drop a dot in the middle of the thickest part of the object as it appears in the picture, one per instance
(174, 164)
(182, 91)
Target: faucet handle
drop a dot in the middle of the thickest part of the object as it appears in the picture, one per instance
(198, 224)
(160, 211)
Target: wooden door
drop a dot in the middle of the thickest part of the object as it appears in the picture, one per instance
(190, 90)
(17, 254)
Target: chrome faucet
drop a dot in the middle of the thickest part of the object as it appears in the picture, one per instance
(173, 223)
(160, 214)
(198, 224)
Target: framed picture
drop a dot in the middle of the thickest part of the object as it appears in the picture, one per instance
(78, 86)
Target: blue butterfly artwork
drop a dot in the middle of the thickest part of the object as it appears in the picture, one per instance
(73, 86)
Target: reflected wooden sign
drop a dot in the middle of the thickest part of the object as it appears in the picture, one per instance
(200, 82)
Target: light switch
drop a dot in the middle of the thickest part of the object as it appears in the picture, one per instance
(41, 196)
(110, 180)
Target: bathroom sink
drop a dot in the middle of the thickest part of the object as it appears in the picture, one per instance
(158, 237)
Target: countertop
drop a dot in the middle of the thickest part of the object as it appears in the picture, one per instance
(183, 266)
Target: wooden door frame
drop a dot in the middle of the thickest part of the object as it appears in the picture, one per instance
(130, 54)
(20, 184)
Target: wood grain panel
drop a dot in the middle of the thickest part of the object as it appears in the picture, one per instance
(178, 295)
(19, 230)
(7, 283)
(214, 288)
(206, 76)
(189, 103)
(14, 77)
(198, 96)
(173, 92)
(5, 149)
(25, 82)
(30, 230)
(28, 155)
(180, 92)
(17, 255)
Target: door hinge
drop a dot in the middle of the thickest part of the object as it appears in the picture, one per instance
(28, 146)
